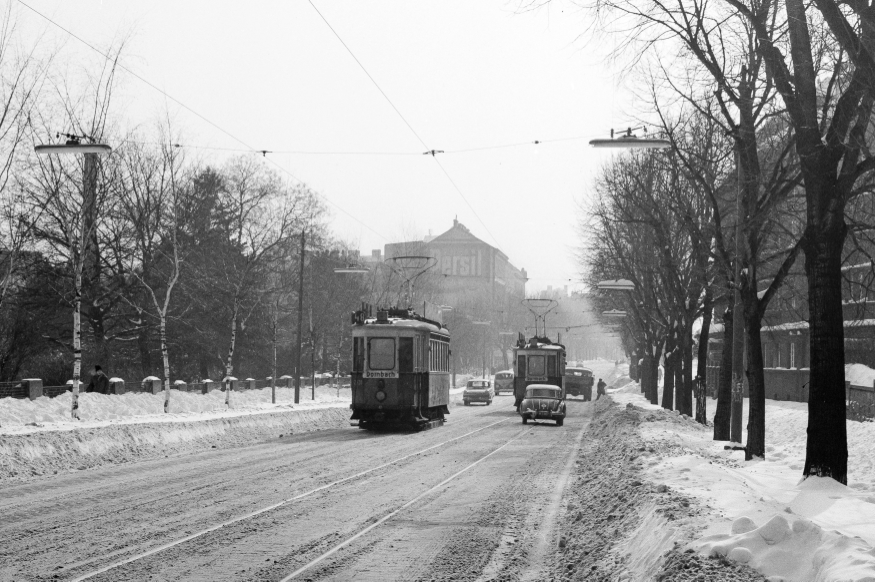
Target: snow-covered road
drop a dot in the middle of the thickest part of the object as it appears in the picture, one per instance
(477, 498)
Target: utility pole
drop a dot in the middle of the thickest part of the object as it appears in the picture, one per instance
(300, 321)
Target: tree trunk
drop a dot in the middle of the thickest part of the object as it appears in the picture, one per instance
(756, 415)
(702, 364)
(669, 363)
(165, 357)
(723, 413)
(684, 384)
(826, 452)
(143, 346)
(229, 366)
(77, 344)
(654, 385)
(644, 373)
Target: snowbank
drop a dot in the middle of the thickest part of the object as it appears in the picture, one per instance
(860, 375)
(23, 456)
(761, 512)
(25, 416)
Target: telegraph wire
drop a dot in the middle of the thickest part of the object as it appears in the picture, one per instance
(428, 150)
(186, 107)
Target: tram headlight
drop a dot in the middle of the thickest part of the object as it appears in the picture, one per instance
(380, 396)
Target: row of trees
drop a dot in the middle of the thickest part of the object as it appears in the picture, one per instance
(177, 266)
(772, 100)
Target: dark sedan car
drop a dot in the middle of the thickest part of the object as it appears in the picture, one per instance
(543, 401)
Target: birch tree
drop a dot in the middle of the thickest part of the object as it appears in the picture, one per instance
(151, 198)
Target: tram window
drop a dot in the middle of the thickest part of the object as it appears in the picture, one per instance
(381, 353)
(521, 367)
(405, 354)
(358, 354)
(551, 366)
(537, 366)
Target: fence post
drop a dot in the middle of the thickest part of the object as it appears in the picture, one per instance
(250, 384)
(208, 385)
(116, 386)
(152, 385)
(34, 387)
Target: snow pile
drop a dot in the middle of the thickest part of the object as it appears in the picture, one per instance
(762, 513)
(46, 452)
(24, 415)
(788, 548)
(860, 375)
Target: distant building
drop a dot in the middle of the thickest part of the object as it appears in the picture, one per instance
(474, 275)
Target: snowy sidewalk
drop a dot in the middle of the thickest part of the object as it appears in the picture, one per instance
(23, 416)
(760, 512)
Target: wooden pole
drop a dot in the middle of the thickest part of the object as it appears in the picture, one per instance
(300, 321)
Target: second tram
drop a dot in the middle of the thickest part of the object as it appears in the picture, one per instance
(401, 370)
(537, 361)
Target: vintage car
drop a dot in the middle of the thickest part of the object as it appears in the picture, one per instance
(543, 401)
(504, 381)
(479, 390)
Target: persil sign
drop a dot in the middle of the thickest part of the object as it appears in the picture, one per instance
(377, 374)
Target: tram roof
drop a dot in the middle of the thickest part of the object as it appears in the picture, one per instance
(558, 347)
(404, 322)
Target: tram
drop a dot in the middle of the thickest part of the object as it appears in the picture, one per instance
(537, 361)
(401, 370)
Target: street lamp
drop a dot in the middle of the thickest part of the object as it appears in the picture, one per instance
(616, 285)
(91, 149)
(352, 269)
(629, 140)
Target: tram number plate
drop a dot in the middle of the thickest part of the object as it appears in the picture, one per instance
(373, 374)
(537, 378)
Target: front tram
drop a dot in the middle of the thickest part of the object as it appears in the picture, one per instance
(537, 361)
(401, 370)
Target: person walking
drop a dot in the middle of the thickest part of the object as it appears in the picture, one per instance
(601, 389)
(99, 381)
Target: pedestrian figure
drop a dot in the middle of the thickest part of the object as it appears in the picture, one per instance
(601, 389)
(99, 381)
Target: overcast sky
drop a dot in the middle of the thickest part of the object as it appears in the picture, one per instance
(464, 74)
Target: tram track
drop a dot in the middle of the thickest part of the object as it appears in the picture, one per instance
(274, 506)
(390, 515)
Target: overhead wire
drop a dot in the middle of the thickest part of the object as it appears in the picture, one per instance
(197, 114)
(404, 119)
(380, 153)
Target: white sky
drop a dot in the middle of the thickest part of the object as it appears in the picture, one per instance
(464, 74)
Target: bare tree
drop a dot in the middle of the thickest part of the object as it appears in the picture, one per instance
(150, 199)
(22, 77)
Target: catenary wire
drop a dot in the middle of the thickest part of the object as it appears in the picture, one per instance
(189, 109)
(383, 93)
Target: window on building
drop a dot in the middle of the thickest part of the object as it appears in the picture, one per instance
(792, 354)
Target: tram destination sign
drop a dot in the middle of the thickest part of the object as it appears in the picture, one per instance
(379, 374)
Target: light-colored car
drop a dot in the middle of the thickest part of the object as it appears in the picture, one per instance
(543, 401)
(479, 390)
(504, 381)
